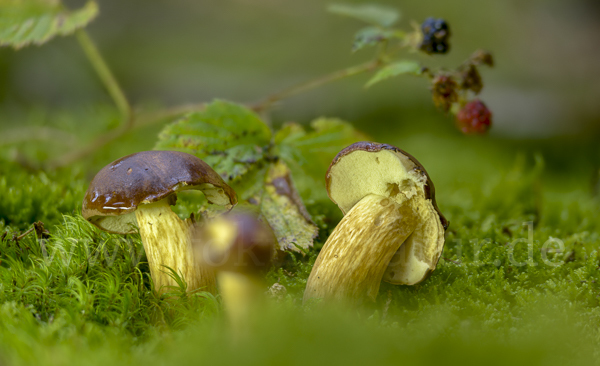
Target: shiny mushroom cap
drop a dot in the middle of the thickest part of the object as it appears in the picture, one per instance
(236, 243)
(146, 177)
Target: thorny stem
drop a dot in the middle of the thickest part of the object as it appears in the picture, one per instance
(267, 102)
(131, 122)
(103, 71)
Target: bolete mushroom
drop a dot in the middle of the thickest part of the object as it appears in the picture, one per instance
(239, 247)
(138, 190)
(392, 228)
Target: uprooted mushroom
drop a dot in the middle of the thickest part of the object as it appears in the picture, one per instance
(392, 228)
(137, 191)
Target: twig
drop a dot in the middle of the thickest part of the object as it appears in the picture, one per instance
(20, 237)
(133, 123)
(450, 260)
(40, 231)
(267, 102)
(103, 71)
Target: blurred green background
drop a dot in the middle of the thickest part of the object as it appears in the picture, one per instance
(170, 53)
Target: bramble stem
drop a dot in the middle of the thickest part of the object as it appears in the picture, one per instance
(106, 76)
(267, 102)
(131, 122)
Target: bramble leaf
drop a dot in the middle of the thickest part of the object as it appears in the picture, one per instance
(282, 207)
(395, 69)
(236, 143)
(368, 13)
(309, 154)
(369, 36)
(227, 136)
(23, 22)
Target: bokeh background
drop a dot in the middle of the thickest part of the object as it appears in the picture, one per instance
(543, 91)
(545, 83)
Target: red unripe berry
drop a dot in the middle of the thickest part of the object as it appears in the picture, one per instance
(474, 118)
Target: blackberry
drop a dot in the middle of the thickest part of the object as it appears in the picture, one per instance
(474, 118)
(435, 36)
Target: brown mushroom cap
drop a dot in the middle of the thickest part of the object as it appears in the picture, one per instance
(366, 168)
(236, 243)
(145, 177)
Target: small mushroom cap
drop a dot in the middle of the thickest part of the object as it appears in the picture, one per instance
(235, 242)
(367, 168)
(145, 177)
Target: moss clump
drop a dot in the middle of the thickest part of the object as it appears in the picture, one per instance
(503, 287)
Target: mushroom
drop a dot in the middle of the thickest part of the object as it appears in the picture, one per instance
(138, 190)
(392, 228)
(239, 247)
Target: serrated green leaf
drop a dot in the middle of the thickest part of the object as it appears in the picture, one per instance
(369, 13)
(369, 36)
(395, 69)
(23, 22)
(282, 207)
(308, 154)
(229, 137)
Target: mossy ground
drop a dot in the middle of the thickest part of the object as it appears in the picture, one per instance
(505, 291)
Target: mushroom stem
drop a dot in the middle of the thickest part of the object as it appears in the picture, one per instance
(167, 242)
(354, 258)
(241, 294)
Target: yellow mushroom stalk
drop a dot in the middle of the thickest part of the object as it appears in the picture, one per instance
(356, 255)
(391, 231)
(137, 191)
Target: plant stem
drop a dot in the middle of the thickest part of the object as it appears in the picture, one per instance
(267, 102)
(138, 122)
(108, 79)
(131, 122)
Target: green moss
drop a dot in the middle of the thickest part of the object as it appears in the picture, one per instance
(496, 296)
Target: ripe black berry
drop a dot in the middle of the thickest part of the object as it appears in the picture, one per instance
(435, 36)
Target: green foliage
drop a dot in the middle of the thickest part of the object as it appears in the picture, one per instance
(229, 137)
(369, 13)
(264, 169)
(371, 36)
(395, 69)
(309, 153)
(29, 197)
(88, 276)
(23, 22)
